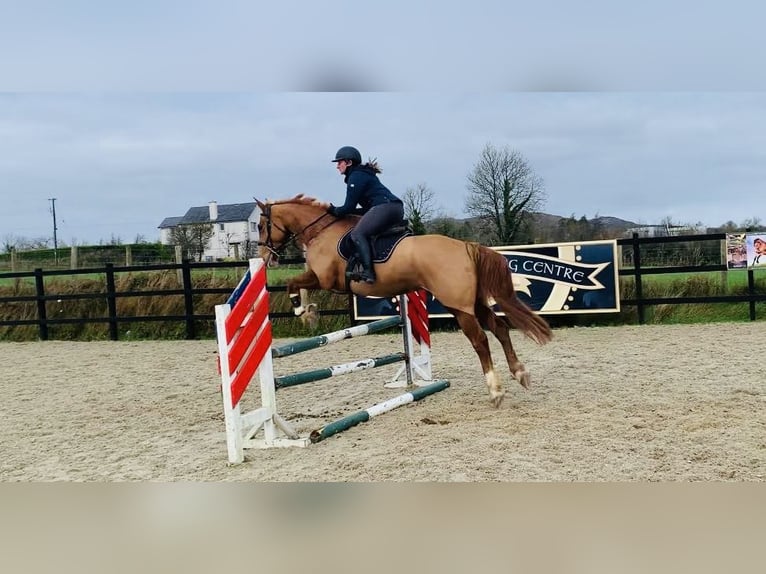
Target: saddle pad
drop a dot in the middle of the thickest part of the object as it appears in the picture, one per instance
(383, 245)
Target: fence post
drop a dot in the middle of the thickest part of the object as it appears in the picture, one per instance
(188, 299)
(725, 263)
(128, 256)
(111, 301)
(179, 261)
(73, 263)
(13, 259)
(637, 276)
(304, 294)
(42, 314)
(751, 292)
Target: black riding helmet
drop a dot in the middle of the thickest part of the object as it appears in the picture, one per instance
(348, 153)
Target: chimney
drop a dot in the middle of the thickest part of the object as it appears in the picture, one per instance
(213, 206)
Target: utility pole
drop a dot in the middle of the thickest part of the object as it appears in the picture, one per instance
(55, 240)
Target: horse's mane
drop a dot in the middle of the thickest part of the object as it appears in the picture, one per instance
(300, 199)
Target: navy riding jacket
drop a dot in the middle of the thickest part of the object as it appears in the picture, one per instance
(363, 188)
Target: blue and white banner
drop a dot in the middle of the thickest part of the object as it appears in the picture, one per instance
(557, 278)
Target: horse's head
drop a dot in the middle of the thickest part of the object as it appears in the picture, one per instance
(273, 233)
(285, 221)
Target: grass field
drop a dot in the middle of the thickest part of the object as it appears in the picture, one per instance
(734, 278)
(672, 285)
(275, 276)
(734, 282)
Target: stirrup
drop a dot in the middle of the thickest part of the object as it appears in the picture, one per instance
(367, 276)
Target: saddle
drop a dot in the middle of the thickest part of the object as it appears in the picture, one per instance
(382, 245)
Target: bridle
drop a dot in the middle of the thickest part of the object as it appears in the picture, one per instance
(290, 237)
(269, 243)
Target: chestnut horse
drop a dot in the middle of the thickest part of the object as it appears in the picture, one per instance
(466, 278)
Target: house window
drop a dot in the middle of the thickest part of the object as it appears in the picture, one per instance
(253, 226)
(220, 226)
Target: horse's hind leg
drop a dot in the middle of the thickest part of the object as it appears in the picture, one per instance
(500, 328)
(471, 328)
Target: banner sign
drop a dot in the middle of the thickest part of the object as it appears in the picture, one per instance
(736, 251)
(745, 250)
(557, 278)
(756, 250)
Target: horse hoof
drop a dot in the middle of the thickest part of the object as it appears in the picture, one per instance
(523, 377)
(496, 398)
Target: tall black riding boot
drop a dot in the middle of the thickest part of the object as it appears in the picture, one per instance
(365, 259)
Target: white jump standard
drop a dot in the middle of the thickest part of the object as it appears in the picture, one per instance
(245, 347)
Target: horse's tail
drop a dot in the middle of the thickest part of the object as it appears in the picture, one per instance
(494, 281)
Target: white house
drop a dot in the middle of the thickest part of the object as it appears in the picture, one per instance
(235, 228)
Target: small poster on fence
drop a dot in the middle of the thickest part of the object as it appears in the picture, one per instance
(736, 251)
(756, 249)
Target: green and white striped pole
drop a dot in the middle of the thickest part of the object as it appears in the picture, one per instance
(366, 414)
(334, 371)
(322, 340)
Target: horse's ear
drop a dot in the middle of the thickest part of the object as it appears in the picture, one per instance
(261, 205)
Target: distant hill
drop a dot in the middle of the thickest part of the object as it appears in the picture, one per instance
(548, 219)
(614, 224)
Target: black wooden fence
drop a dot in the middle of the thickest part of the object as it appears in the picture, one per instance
(633, 247)
(631, 251)
(110, 294)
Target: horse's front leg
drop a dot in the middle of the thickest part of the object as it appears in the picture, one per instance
(307, 280)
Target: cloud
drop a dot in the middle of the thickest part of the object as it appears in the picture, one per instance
(130, 160)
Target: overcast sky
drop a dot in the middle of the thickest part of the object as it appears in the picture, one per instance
(119, 164)
(128, 113)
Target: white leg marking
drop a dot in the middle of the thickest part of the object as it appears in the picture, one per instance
(496, 391)
(522, 375)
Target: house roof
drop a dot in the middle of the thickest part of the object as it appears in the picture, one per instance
(170, 222)
(226, 214)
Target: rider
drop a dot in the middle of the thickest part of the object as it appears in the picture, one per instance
(380, 209)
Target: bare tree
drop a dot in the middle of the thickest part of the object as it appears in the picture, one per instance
(34, 243)
(502, 190)
(418, 207)
(192, 238)
(451, 227)
(752, 224)
(667, 224)
(10, 242)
